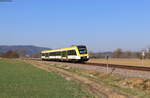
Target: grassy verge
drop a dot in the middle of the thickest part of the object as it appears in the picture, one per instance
(21, 80)
(133, 86)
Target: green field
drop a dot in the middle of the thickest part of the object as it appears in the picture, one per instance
(21, 80)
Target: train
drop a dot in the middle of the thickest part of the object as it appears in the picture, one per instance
(71, 54)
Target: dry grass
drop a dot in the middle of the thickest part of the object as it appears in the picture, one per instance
(135, 62)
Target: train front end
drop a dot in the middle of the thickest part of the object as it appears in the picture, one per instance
(83, 53)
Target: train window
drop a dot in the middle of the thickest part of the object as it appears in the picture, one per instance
(43, 54)
(49, 54)
(68, 52)
(58, 53)
(55, 54)
(64, 53)
(71, 52)
(52, 54)
(46, 55)
(82, 49)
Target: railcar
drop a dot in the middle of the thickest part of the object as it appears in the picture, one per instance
(73, 54)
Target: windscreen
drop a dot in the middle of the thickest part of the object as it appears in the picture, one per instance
(82, 49)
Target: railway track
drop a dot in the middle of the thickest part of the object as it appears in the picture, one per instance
(129, 67)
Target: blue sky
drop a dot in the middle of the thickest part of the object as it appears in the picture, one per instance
(102, 25)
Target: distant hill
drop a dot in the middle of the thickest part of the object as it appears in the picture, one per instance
(26, 49)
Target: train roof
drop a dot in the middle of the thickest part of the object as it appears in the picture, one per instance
(61, 49)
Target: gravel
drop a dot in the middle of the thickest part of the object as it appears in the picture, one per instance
(120, 71)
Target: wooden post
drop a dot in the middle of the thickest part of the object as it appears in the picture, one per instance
(143, 56)
(107, 64)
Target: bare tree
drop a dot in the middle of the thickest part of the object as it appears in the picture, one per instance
(91, 54)
(128, 54)
(21, 53)
(148, 53)
(36, 55)
(117, 53)
(10, 54)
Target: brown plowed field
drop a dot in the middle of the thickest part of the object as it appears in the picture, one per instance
(133, 62)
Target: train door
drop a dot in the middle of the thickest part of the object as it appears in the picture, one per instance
(64, 56)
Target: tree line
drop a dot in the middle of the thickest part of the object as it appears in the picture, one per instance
(119, 53)
(10, 54)
(18, 54)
